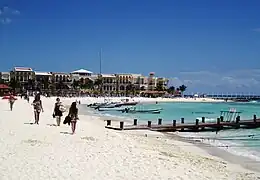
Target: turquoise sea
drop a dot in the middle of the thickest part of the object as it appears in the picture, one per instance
(242, 142)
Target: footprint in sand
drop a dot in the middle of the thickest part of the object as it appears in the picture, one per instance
(33, 142)
(88, 138)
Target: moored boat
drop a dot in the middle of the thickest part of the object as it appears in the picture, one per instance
(149, 111)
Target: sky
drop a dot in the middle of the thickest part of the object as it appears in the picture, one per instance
(210, 46)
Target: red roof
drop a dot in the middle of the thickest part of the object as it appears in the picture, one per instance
(3, 86)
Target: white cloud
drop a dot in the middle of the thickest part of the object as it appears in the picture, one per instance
(245, 80)
(6, 14)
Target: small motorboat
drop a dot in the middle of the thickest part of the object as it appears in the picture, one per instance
(149, 111)
(126, 104)
(106, 105)
(110, 109)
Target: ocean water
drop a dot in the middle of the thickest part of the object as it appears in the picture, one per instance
(242, 142)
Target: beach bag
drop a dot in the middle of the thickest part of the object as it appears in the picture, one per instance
(67, 120)
(62, 108)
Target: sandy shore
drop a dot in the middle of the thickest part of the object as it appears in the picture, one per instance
(89, 100)
(48, 152)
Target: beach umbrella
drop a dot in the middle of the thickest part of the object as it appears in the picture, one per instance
(8, 97)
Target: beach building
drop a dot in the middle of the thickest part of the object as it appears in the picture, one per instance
(22, 75)
(109, 83)
(43, 79)
(156, 82)
(139, 82)
(151, 81)
(124, 80)
(58, 77)
(81, 75)
(5, 76)
(40, 76)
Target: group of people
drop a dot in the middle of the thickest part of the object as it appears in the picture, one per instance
(58, 111)
(72, 116)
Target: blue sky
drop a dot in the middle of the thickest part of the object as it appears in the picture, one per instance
(208, 45)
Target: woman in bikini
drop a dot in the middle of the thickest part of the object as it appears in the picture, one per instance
(37, 106)
(73, 113)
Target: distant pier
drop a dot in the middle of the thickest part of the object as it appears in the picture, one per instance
(235, 97)
(220, 124)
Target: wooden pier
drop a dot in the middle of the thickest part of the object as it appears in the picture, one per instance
(220, 124)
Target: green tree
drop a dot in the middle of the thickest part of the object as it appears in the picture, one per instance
(75, 84)
(159, 87)
(98, 83)
(182, 88)
(130, 88)
(171, 90)
(89, 84)
(14, 84)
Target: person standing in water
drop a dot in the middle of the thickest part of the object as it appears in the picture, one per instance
(57, 113)
(11, 101)
(37, 106)
(73, 113)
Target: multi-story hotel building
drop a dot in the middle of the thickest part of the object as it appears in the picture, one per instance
(124, 80)
(63, 77)
(22, 74)
(109, 83)
(43, 79)
(117, 83)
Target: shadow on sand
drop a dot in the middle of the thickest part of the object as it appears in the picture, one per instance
(29, 123)
(51, 124)
(65, 133)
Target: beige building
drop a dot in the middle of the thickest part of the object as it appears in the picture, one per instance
(154, 82)
(109, 83)
(22, 74)
(124, 80)
(61, 77)
(43, 80)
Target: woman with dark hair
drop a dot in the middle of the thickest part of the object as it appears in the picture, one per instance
(73, 114)
(37, 106)
(57, 113)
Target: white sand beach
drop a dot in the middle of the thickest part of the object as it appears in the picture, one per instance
(44, 151)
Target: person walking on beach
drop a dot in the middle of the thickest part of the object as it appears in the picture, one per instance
(57, 113)
(37, 106)
(73, 113)
(11, 101)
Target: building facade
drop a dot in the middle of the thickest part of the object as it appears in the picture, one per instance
(22, 77)
(43, 80)
(22, 74)
(61, 77)
(82, 75)
(120, 83)
(109, 83)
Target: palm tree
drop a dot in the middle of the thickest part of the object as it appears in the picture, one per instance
(89, 84)
(182, 88)
(98, 83)
(14, 84)
(171, 90)
(159, 87)
(130, 88)
(75, 84)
